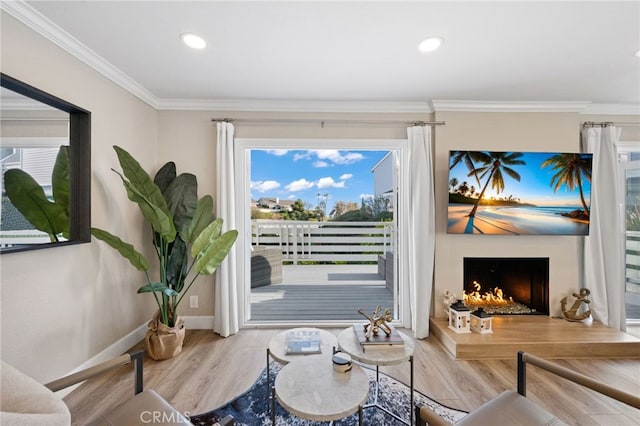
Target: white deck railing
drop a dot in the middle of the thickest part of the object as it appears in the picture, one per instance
(353, 242)
(632, 259)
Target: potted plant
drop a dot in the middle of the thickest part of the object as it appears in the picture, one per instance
(187, 240)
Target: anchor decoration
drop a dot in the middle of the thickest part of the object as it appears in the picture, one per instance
(571, 314)
(377, 321)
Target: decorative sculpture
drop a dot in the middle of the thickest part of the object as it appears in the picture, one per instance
(448, 298)
(377, 321)
(571, 314)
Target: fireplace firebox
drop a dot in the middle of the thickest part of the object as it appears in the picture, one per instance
(507, 285)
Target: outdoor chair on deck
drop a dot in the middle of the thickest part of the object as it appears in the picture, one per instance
(266, 265)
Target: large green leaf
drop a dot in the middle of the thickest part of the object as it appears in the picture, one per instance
(165, 176)
(29, 198)
(202, 217)
(176, 268)
(151, 287)
(214, 254)
(60, 179)
(159, 219)
(127, 251)
(208, 234)
(140, 179)
(182, 199)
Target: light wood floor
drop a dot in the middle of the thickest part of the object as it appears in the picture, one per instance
(212, 370)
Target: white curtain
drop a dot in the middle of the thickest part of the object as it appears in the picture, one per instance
(226, 317)
(604, 247)
(419, 242)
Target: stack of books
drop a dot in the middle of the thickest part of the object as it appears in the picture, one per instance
(380, 343)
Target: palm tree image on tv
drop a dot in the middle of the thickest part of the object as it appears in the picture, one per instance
(520, 193)
(570, 168)
(495, 163)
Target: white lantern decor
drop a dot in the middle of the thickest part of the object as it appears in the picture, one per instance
(459, 317)
(481, 321)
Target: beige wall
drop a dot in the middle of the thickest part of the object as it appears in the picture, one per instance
(62, 306)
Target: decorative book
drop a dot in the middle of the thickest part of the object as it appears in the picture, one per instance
(381, 339)
(301, 342)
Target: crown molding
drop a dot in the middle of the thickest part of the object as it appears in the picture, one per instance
(294, 106)
(500, 106)
(42, 25)
(612, 109)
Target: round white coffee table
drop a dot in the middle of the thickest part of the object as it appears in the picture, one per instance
(348, 342)
(310, 388)
(277, 351)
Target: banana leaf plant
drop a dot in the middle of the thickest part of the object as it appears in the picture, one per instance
(47, 215)
(187, 239)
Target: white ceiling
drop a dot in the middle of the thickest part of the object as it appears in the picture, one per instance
(365, 51)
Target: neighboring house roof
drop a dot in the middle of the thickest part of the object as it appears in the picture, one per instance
(273, 201)
(12, 219)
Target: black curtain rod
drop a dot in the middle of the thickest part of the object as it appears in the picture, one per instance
(329, 121)
(608, 123)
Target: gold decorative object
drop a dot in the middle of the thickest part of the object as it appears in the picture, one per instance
(571, 314)
(377, 321)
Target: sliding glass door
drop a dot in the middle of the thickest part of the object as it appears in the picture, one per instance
(631, 176)
(318, 231)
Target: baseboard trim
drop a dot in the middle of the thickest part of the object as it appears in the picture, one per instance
(199, 322)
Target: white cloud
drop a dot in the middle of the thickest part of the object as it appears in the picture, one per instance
(346, 176)
(277, 152)
(328, 182)
(301, 156)
(325, 182)
(264, 186)
(299, 185)
(338, 157)
(330, 155)
(319, 164)
(291, 197)
(366, 196)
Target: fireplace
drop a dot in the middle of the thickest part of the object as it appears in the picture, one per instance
(507, 285)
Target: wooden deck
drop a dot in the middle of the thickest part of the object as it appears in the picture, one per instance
(538, 334)
(320, 294)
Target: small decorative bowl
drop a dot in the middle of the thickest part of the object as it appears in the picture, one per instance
(341, 362)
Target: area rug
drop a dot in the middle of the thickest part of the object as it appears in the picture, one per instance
(250, 408)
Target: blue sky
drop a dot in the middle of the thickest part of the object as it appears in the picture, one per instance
(534, 186)
(345, 175)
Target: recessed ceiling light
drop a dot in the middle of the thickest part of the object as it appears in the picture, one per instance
(430, 44)
(638, 53)
(193, 41)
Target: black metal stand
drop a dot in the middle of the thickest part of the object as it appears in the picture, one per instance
(374, 403)
(268, 386)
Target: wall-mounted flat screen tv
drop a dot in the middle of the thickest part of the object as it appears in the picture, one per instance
(519, 193)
